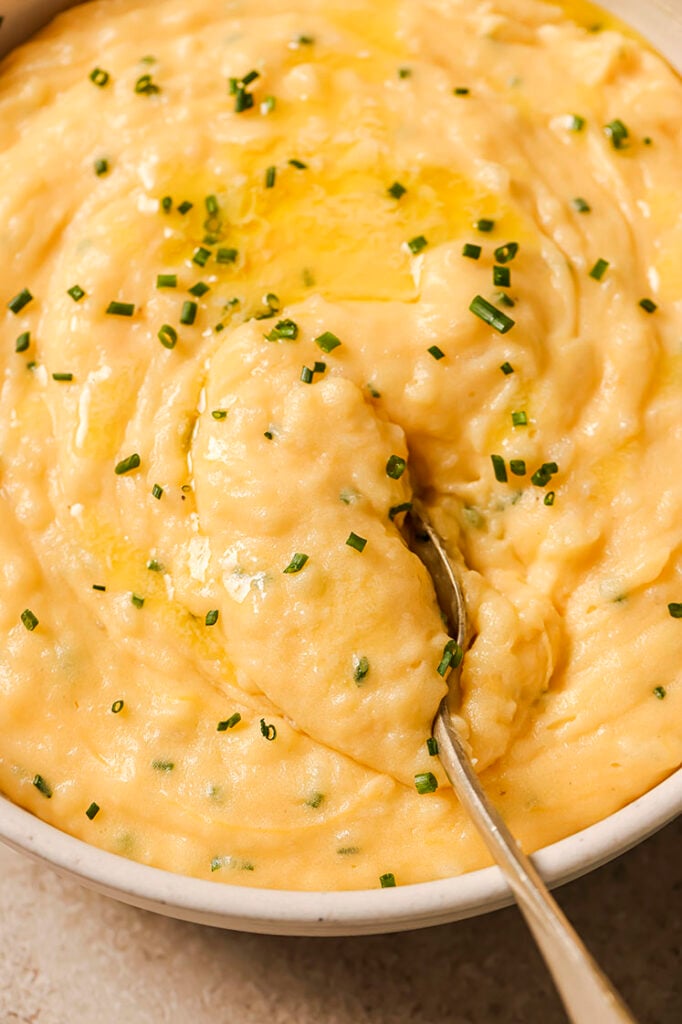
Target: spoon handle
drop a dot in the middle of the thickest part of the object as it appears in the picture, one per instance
(586, 992)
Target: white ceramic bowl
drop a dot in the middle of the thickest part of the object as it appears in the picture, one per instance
(279, 912)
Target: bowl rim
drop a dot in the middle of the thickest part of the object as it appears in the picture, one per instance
(344, 912)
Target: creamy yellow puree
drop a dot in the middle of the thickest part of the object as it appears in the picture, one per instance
(184, 700)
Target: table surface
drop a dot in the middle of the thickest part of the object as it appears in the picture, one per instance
(69, 956)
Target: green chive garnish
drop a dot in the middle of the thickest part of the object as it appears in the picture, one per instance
(66, 377)
(395, 510)
(29, 619)
(580, 205)
(544, 474)
(518, 467)
(306, 375)
(166, 280)
(499, 468)
(507, 368)
(166, 203)
(549, 498)
(185, 207)
(648, 305)
(485, 225)
(219, 414)
(76, 292)
(432, 746)
(163, 766)
(452, 657)
(675, 610)
(617, 133)
(199, 289)
(268, 105)
(506, 253)
(360, 668)
(157, 491)
(296, 564)
(425, 782)
(472, 252)
(212, 617)
(22, 342)
(298, 164)
(314, 800)
(100, 587)
(599, 269)
(396, 190)
(498, 320)
(270, 176)
(436, 352)
(188, 313)
(520, 418)
(327, 342)
(137, 600)
(42, 786)
(268, 731)
(226, 255)
(286, 329)
(501, 277)
(576, 123)
(117, 706)
(355, 541)
(92, 811)
(120, 308)
(230, 722)
(387, 881)
(155, 566)
(461, 91)
(395, 467)
(415, 245)
(125, 465)
(145, 86)
(19, 301)
(201, 256)
(100, 77)
(404, 72)
(659, 691)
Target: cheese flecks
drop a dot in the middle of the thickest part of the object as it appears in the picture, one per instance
(281, 220)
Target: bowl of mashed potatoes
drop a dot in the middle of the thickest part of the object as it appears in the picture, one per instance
(270, 272)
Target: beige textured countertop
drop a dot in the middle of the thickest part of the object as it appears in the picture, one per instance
(68, 956)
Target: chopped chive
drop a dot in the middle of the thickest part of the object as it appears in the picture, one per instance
(42, 786)
(286, 329)
(387, 881)
(617, 133)
(498, 320)
(212, 206)
(226, 255)
(404, 72)
(355, 541)
(201, 256)
(648, 305)
(472, 252)
(243, 100)
(544, 474)
(452, 657)
(425, 782)
(137, 600)
(268, 434)
(22, 342)
(125, 465)
(327, 342)
(348, 851)
(675, 610)
(415, 245)
(580, 205)
(166, 280)
(166, 204)
(168, 336)
(100, 77)
(199, 289)
(432, 746)
(66, 377)
(319, 366)
(163, 766)
(360, 668)
(157, 491)
(250, 77)
(499, 468)
(270, 176)
(507, 368)
(76, 292)
(395, 467)
(146, 86)
(505, 300)
(461, 90)
(506, 253)
(298, 164)
(575, 123)
(395, 510)
(599, 269)
(436, 352)
(549, 498)
(185, 207)
(268, 105)
(520, 418)
(659, 691)
(117, 707)
(92, 811)
(155, 566)
(29, 619)
(373, 391)
(518, 467)
(120, 308)
(268, 730)
(20, 300)
(296, 564)
(304, 40)
(306, 375)
(314, 800)
(485, 225)
(188, 314)
(99, 586)
(212, 617)
(230, 722)
(219, 414)
(397, 190)
(501, 277)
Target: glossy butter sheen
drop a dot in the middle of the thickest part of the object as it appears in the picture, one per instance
(333, 669)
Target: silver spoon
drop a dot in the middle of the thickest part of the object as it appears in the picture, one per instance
(586, 992)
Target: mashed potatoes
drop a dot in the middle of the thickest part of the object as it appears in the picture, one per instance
(268, 271)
